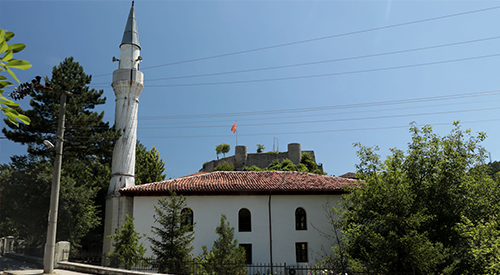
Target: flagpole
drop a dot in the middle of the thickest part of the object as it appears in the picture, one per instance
(235, 130)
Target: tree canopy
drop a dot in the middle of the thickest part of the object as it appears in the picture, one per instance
(222, 148)
(86, 167)
(88, 145)
(260, 148)
(25, 201)
(306, 164)
(149, 167)
(420, 211)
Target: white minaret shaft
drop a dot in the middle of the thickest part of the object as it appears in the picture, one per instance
(127, 85)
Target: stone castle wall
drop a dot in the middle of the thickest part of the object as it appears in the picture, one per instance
(242, 159)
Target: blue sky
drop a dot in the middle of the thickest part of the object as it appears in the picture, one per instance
(372, 75)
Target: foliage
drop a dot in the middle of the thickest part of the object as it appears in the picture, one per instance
(260, 148)
(252, 168)
(88, 140)
(224, 167)
(307, 164)
(174, 244)
(222, 148)
(25, 189)
(225, 257)
(128, 252)
(149, 167)
(7, 62)
(494, 167)
(483, 245)
(405, 216)
(311, 165)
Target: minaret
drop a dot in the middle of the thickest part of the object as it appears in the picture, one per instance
(127, 85)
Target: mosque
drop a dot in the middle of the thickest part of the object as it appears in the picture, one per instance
(279, 217)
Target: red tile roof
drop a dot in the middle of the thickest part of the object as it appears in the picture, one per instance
(244, 183)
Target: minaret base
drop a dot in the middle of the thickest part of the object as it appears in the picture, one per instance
(117, 208)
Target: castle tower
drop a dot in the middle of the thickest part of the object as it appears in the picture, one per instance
(127, 85)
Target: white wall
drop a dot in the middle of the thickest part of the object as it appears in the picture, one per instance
(208, 209)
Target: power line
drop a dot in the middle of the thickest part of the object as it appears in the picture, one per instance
(323, 61)
(313, 115)
(323, 131)
(320, 62)
(356, 106)
(315, 39)
(331, 107)
(328, 120)
(325, 75)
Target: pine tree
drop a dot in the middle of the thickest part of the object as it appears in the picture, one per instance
(128, 252)
(174, 244)
(88, 140)
(149, 167)
(225, 257)
(86, 135)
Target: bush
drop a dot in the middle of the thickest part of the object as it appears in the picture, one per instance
(224, 167)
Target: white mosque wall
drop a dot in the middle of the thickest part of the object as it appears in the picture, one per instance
(207, 213)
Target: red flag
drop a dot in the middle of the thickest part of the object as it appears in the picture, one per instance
(234, 128)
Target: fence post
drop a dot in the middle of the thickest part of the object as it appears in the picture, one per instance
(9, 244)
(61, 252)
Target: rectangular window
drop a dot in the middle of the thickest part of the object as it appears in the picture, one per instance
(301, 252)
(248, 252)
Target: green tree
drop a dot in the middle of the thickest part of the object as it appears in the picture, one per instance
(482, 242)
(260, 148)
(128, 251)
(494, 168)
(225, 256)
(405, 215)
(88, 140)
(312, 166)
(25, 190)
(306, 164)
(7, 62)
(149, 167)
(173, 244)
(222, 148)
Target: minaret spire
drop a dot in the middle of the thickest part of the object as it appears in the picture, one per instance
(127, 85)
(131, 36)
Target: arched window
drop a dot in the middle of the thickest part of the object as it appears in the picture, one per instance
(300, 219)
(187, 218)
(244, 220)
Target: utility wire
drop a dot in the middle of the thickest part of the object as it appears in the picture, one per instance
(318, 62)
(315, 115)
(324, 75)
(332, 107)
(356, 106)
(322, 131)
(309, 132)
(316, 39)
(323, 61)
(327, 120)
